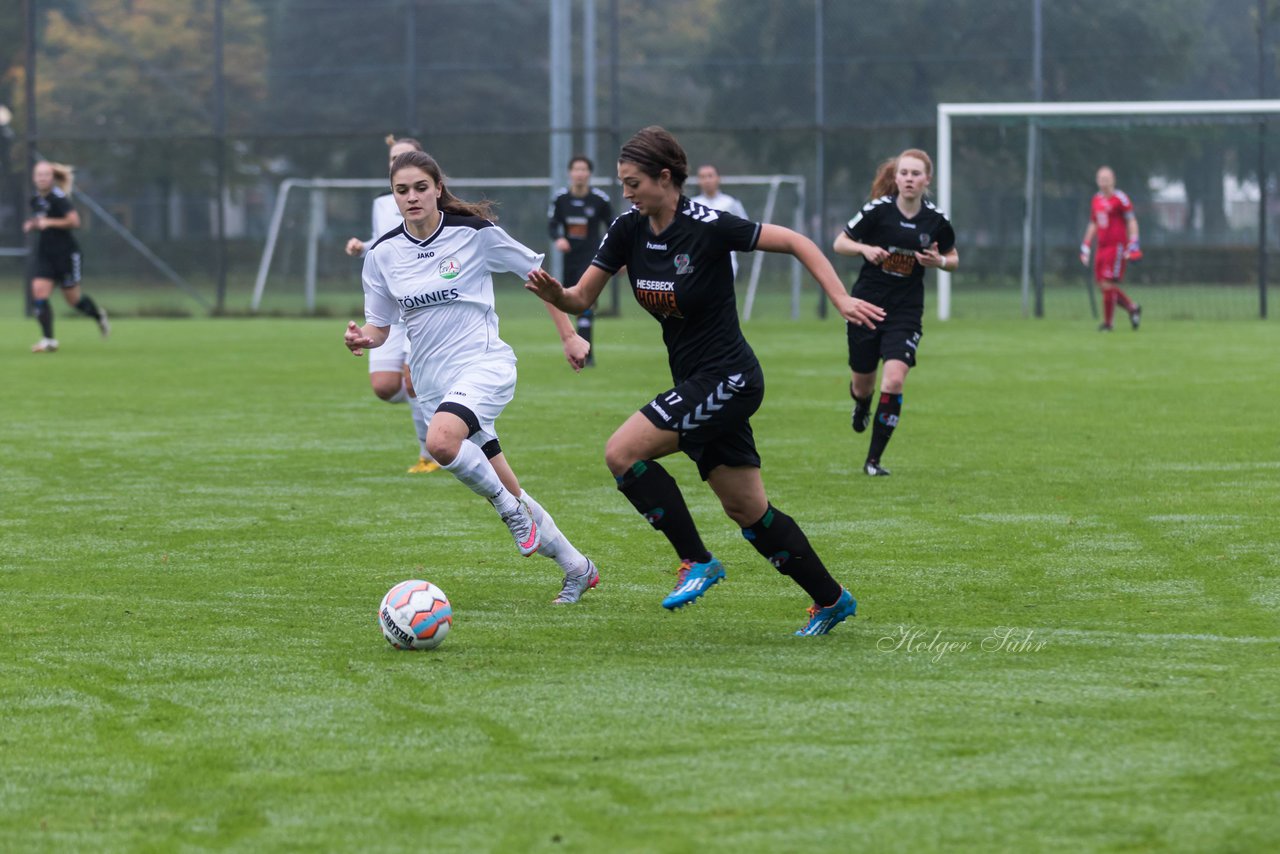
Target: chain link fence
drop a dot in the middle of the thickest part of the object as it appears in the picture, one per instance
(183, 118)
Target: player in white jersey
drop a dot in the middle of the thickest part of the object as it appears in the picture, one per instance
(434, 273)
(389, 367)
(709, 184)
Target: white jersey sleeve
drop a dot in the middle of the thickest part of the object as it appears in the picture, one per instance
(385, 216)
(504, 254)
(380, 307)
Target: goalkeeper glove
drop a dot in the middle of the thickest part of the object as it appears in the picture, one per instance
(1133, 251)
(1085, 252)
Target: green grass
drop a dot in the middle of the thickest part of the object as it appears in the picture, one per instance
(200, 517)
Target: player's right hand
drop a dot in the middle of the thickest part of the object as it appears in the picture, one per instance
(355, 246)
(1085, 252)
(562, 243)
(875, 254)
(355, 339)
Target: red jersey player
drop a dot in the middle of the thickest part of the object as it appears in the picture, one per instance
(1111, 218)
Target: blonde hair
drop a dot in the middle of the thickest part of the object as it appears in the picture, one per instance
(886, 183)
(64, 175)
(392, 141)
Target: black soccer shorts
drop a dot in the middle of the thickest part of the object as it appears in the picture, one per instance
(893, 338)
(712, 413)
(63, 269)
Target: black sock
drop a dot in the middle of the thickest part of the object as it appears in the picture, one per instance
(44, 315)
(783, 544)
(863, 402)
(87, 306)
(586, 322)
(654, 492)
(887, 414)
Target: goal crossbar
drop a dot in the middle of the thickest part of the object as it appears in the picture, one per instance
(773, 182)
(1064, 109)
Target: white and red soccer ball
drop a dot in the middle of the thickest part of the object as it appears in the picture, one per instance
(415, 615)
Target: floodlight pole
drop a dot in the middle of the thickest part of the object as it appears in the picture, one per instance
(561, 131)
(220, 155)
(29, 65)
(1262, 163)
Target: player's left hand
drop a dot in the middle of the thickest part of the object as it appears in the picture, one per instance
(545, 285)
(576, 350)
(860, 312)
(1133, 252)
(931, 257)
(355, 339)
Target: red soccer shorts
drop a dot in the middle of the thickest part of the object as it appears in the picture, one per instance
(1109, 264)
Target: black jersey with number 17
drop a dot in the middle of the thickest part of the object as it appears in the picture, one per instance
(684, 278)
(898, 281)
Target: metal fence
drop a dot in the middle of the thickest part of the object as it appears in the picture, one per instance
(184, 117)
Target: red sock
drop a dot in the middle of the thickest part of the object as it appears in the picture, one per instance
(1108, 305)
(1123, 299)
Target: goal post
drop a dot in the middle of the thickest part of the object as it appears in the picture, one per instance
(766, 192)
(1081, 109)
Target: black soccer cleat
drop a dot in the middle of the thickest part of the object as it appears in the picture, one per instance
(874, 470)
(861, 415)
(1135, 317)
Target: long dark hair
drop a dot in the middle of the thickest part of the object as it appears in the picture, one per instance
(449, 203)
(654, 149)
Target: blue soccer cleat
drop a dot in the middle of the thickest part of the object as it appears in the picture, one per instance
(694, 580)
(823, 620)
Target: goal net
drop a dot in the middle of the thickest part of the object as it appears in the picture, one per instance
(1017, 181)
(303, 267)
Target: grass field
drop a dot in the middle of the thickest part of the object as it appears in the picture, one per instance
(200, 517)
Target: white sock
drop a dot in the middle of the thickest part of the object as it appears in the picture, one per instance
(419, 425)
(555, 545)
(400, 396)
(472, 467)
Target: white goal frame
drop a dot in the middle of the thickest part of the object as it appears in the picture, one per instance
(1064, 109)
(317, 186)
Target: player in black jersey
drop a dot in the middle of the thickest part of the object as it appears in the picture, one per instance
(577, 217)
(56, 259)
(677, 258)
(898, 234)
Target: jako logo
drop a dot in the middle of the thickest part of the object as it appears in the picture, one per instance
(450, 268)
(422, 255)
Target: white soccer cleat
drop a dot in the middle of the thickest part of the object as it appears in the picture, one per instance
(576, 585)
(45, 345)
(523, 529)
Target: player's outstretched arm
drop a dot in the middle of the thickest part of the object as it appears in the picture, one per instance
(360, 338)
(576, 347)
(573, 300)
(775, 238)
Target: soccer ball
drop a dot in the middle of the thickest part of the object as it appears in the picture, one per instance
(415, 615)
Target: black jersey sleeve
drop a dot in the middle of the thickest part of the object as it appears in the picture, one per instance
(945, 236)
(737, 234)
(59, 206)
(555, 222)
(615, 250)
(863, 222)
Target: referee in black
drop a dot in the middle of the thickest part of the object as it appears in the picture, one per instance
(577, 218)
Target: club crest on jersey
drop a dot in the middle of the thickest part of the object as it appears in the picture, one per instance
(682, 265)
(450, 268)
(924, 241)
